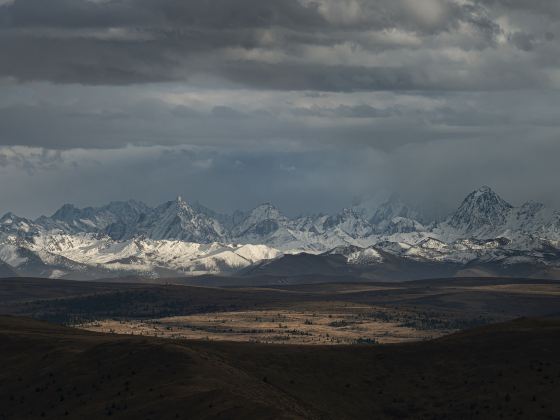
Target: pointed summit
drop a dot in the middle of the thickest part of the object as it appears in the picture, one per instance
(482, 209)
(181, 203)
(485, 193)
(8, 217)
(485, 189)
(176, 205)
(177, 220)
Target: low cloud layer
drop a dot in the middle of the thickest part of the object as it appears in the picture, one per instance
(436, 175)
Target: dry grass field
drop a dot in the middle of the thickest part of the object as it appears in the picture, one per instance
(327, 324)
(334, 314)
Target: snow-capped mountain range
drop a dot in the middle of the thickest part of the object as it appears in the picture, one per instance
(178, 238)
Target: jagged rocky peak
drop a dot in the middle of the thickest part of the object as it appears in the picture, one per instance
(12, 219)
(66, 212)
(114, 210)
(482, 208)
(180, 201)
(177, 220)
(193, 210)
(178, 207)
(8, 218)
(71, 219)
(12, 224)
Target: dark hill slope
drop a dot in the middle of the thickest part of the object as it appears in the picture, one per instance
(6, 270)
(508, 371)
(55, 372)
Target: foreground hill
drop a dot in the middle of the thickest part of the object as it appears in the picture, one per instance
(509, 370)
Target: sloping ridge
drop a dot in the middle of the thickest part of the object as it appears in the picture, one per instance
(52, 371)
(62, 372)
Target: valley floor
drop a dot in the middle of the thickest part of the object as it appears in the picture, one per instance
(316, 314)
(320, 324)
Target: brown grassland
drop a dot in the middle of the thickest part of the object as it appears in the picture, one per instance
(434, 349)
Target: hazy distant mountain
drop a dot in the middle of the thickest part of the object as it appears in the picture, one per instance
(70, 219)
(177, 237)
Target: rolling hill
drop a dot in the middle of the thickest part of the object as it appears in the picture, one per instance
(509, 370)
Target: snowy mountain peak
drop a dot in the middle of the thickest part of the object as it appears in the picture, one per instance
(482, 209)
(129, 236)
(177, 220)
(8, 218)
(180, 201)
(66, 212)
(71, 219)
(12, 224)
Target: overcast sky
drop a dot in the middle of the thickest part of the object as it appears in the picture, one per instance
(309, 104)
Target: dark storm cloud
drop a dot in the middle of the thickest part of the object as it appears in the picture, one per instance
(114, 117)
(307, 103)
(545, 7)
(216, 14)
(265, 44)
